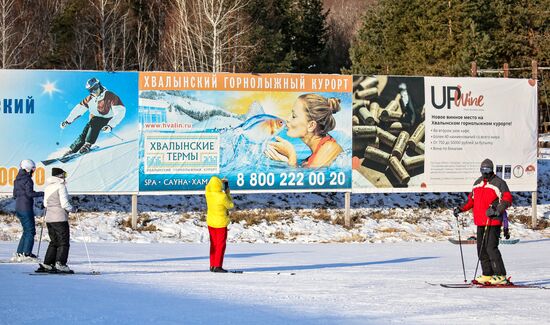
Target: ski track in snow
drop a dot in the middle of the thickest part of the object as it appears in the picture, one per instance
(334, 284)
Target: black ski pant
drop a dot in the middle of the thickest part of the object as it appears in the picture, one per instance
(487, 250)
(90, 132)
(58, 250)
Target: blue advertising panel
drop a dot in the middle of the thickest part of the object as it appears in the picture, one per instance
(84, 122)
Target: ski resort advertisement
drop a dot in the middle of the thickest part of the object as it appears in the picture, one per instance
(430, 134)
(84, 122)
(262, 133)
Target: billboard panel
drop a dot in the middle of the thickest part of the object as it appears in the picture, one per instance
(430, 134)
(54, 117)
(279, 132)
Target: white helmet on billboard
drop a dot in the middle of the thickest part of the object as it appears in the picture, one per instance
(93, 86)
(27, 165)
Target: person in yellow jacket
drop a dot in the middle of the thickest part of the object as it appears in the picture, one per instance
(218, 202)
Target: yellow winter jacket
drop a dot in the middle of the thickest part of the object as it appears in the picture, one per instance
(217, 202)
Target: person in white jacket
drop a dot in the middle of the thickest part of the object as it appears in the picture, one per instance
(56, 202)
(106, 112)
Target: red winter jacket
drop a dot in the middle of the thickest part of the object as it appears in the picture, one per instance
(488, 192)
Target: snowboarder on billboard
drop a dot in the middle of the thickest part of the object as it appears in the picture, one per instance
(490, 197)
(56, 201)
(106, 111)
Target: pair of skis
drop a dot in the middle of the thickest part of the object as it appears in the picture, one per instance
(259, 272)
(67, 158)
(480, 285)
(66, 273)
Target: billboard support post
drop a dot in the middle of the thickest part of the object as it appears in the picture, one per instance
(347, 218)
(534, 70)
(134, 211)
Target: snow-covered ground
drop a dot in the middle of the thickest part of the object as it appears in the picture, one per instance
(333, 284)
(371, 273)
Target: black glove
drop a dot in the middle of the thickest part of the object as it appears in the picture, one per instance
(506, 233)
(225, 184)
(457, 211)
(491, 213)
(64, 124)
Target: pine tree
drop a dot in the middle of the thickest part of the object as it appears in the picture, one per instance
(289, 35)
(443, 37)
(309, 35)
(271, 30)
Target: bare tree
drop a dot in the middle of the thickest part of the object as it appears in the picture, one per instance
(108, 29)
(143, 38)
(81, 45)
(14, 34)
(150, 20)
(205, 35)
(222, 19)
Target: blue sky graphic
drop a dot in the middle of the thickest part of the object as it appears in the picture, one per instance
(35, 135)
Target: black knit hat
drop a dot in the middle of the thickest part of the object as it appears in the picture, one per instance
(487, 163)
(58, 172)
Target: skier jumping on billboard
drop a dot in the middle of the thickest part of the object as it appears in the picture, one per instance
(106, 111)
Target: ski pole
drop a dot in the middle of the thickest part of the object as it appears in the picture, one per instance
(41, 231)
(460, 245)
(481, 248)
(92, 271)
(116, 136)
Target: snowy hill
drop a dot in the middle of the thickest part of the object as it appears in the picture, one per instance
(185, 109)
(108, 170)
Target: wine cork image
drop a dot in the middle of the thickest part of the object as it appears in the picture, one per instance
(388, 131)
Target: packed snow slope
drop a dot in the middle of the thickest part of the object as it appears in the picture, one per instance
(333, 284)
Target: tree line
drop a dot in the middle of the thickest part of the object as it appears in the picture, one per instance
(409, 37)
(169, 35)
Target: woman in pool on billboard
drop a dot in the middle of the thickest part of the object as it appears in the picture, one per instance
(311, 120)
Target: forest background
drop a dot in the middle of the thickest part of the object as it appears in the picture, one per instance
(409, 37)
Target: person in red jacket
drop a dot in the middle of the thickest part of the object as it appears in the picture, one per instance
(490, 197)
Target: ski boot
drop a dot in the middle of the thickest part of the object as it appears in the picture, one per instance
(85, 148)
(17, 258)
(44, 268)
(499, 280)
(482, 279)
(62, 268)
(67, 153)
(219, 269)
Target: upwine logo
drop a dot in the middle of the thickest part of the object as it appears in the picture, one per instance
(17, 105)
(456, 96)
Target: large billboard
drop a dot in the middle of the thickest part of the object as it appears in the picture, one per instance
(84, 122)
(280, 132)
(162, 132)
(430, 134)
